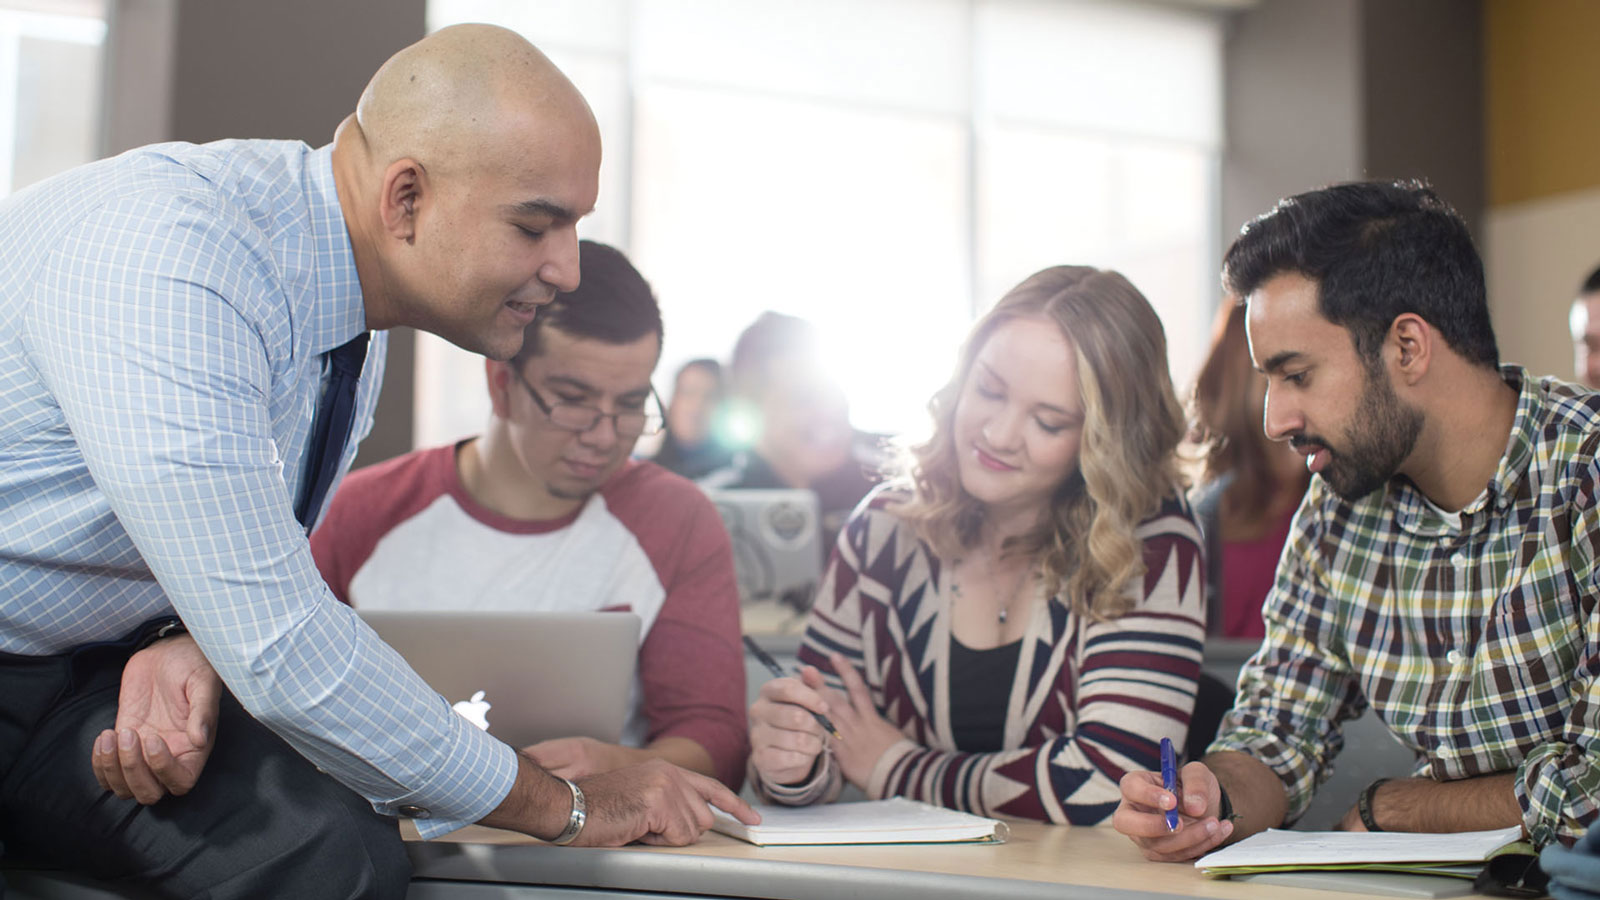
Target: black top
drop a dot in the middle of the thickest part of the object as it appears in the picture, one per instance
(691, 462)
(980, 685)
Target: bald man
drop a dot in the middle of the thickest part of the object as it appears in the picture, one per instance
(191, 343)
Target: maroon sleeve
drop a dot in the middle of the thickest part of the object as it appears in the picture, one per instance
(369, 504)
(690, 666)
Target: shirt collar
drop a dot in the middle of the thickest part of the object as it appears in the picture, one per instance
(1416, 515)
(340, 314)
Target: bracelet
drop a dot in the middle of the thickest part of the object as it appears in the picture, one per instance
(580, 815)
(1224, 805)
(1364, 805)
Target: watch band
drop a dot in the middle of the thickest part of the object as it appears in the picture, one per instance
(158, 629)
(1225, 811)
(1364, 805)
(580, 815)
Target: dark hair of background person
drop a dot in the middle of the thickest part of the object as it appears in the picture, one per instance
(613, 304)
(1225, 426)
(1376, 250)
(1590, 284)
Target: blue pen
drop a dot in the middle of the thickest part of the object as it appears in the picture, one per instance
(1169, 779)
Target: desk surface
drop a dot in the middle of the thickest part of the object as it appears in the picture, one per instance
(1039, 861)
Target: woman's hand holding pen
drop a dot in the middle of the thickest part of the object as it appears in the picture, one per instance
(785, 737)
(865, 735)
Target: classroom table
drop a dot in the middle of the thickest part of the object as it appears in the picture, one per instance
(1039, 861)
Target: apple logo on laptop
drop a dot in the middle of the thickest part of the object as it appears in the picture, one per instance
(475, 710)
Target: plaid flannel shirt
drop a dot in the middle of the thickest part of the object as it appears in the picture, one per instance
(1478, 645)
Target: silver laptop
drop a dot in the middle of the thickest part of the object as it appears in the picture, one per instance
(777, 553)
(525, 676)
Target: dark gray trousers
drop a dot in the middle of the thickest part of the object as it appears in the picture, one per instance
(261, 822)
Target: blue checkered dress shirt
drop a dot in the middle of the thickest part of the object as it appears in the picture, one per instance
(163, 320)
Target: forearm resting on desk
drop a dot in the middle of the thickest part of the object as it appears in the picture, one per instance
(1425, 805)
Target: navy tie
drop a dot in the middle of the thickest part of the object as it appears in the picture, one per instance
(332, 427)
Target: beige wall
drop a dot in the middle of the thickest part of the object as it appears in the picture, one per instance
(1542, 229)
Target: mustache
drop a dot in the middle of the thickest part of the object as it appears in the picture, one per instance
(1302, 441)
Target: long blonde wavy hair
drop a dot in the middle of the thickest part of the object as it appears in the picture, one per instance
(1126, 462)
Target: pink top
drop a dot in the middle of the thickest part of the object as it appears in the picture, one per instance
(1248, 570)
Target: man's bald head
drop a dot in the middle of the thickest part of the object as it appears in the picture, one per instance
(462, 176)
(454, 92)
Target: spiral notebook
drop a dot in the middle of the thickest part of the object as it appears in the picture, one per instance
(893, 821)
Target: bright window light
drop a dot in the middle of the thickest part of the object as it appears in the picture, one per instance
(884, 168)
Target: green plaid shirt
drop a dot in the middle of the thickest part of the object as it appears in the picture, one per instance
(1478, 645)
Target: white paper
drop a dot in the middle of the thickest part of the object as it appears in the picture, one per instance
(896, 820)
(1278, 847)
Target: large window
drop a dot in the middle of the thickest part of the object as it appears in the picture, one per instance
(884, 168)
(50, 52)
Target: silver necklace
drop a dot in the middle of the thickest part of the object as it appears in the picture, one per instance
(1010, 597)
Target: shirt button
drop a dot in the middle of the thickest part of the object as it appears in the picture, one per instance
(1455, 657)
(1458, 559)
(414, 812)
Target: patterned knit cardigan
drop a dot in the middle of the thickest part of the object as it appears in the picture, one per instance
(1090, 700)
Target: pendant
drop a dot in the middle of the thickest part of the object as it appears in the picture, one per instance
(1002, 615)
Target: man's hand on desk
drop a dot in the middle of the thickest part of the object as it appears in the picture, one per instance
(653, 803)
(580, 757)
(166, 722)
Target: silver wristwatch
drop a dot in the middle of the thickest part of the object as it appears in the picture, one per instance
(580, 814)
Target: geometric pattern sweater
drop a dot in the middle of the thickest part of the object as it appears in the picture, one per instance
(1089, 700)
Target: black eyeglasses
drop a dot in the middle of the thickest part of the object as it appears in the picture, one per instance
(578, 417)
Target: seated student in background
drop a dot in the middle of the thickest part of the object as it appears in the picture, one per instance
(1020, 619)
(1252, 486)
(545, 511)
(1442, 568)
(690, 444)
(1584, 321)
(800, 419)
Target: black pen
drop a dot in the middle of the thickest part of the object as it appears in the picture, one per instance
(778, 672)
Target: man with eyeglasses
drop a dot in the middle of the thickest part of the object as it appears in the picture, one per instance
(545, 511)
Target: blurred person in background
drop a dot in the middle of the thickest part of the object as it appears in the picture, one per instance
(1018, 619)
(692, 446)
(1584, 321)
(797, 420)
(1250, 486)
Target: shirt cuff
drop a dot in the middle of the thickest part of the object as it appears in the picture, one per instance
(878, 782)
(474, 789)
(812, 790)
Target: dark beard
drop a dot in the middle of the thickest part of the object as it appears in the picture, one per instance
(1383, 434)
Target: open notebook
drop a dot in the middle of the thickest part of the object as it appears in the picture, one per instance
(1461, 855)
(893, 821)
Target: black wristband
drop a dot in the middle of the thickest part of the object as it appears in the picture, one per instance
(158, 629)
(1364, 805)
(1225, 811)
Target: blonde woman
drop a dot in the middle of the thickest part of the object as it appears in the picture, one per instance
(1019, 621)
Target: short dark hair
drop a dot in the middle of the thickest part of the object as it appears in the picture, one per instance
(1376, 250)
(1590, 284)
(613, 303)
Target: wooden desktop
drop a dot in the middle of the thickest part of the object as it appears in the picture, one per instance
(1040, 861)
